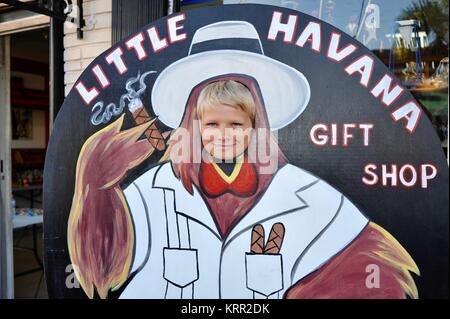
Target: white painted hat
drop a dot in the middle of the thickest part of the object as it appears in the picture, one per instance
(230, 47)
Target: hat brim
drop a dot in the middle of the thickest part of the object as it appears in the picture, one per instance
(285, 91)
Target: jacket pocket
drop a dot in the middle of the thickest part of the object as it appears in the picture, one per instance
(180, 266)
(264, 273)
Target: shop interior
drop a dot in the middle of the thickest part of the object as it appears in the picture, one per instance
(30, 127)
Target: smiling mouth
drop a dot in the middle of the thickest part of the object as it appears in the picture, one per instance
(224, 146)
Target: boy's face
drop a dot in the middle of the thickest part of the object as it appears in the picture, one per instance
(225, 131)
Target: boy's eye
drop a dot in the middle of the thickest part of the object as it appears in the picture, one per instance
(236, 124)
(211, 124)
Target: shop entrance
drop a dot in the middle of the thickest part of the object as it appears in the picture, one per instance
(24, 133)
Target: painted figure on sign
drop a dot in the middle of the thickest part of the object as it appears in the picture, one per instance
(223, 214)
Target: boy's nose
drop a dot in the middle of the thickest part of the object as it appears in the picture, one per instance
(226, 133)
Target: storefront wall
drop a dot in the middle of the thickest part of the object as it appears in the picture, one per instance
(78, 53)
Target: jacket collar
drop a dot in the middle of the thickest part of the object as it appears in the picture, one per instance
(282, 196)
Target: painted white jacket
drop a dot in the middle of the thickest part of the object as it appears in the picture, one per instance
(180, 254)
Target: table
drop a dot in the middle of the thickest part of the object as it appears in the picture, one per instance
(20, 221)
(24, 221)
(34, 191)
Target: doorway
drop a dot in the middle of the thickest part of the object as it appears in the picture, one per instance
(25, 127)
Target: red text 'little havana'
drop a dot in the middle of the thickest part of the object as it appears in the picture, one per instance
(282, 28)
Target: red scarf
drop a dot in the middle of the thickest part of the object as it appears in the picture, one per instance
(242, 182)
(229, 197)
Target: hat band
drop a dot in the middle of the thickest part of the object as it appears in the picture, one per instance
(241, 44)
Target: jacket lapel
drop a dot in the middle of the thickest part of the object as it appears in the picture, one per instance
(283, 196)
(191, 206)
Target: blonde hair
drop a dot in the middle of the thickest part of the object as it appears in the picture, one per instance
(226, 92)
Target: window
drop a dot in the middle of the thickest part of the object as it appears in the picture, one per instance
(409, 36)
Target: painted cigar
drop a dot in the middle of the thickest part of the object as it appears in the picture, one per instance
(257, 243)
(140, 115)
(275, 240)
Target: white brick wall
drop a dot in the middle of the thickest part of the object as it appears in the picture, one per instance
(96, 39)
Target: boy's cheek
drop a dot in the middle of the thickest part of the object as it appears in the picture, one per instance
(210, 134)
(205, 141)
(243, 139)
